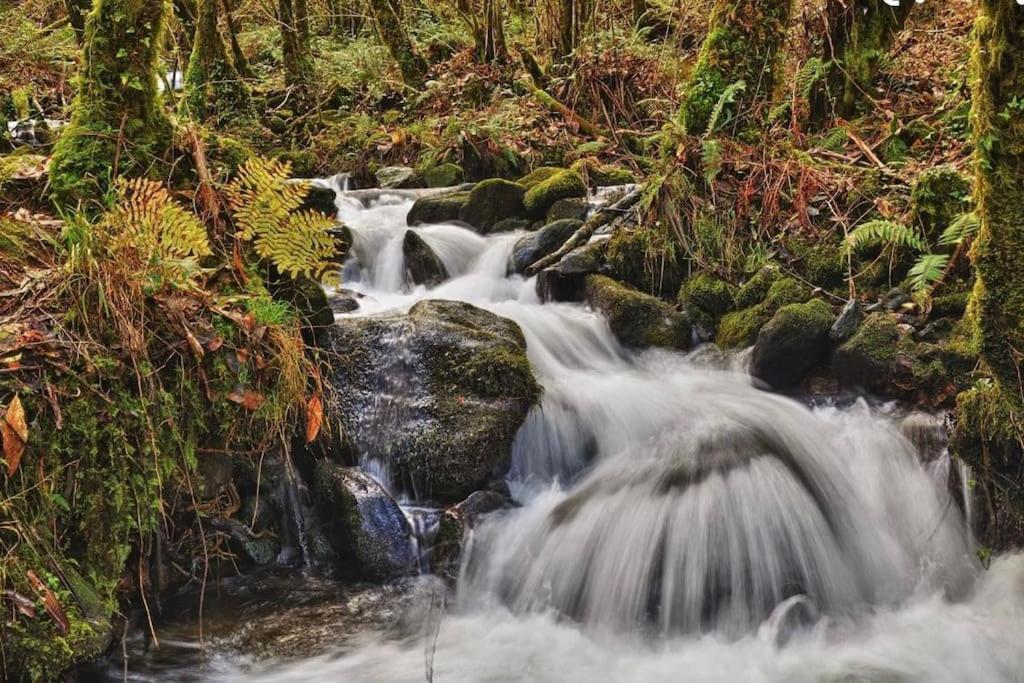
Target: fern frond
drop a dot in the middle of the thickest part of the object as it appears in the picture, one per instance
(711, 158)
(884, 233)
(835, 139)
(812, 71)
(727, 97)
(927, 270)
(962, 227)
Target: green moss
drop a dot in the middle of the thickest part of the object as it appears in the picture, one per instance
(646, 258)
(304, 163)
(938, 197)
(754, 290)
(603, 175)
(708, 293)
(539, 175)
(445, 175)
(491, 201)
(744, 43)
(212, 88)
(637, 319)
(563, 185)
(821, 262)
(740, 328)
(792, 342)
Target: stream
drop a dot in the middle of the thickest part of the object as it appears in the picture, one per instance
(676, 522)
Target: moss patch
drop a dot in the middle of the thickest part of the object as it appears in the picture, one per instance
(637, 319)
(740, 328)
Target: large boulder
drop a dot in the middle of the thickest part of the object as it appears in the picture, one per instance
(422, 265)
(535, 246)
(445, 175)
(392, 177)
(436, 395)
(492, 201)
(791, 343)
(442, 208)
(638, 319)
(362, 522)
(740, 328)
(876, 355)
(562, 185)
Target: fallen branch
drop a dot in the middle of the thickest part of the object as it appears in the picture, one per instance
(588, 127)
(582, 236)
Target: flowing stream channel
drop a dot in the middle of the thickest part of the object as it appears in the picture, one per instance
(676, 523)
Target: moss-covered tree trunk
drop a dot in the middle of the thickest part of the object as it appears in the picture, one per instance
(213, 87)
(118, 124)
(744, 43)
(860, 34)
(396, 39)
(295, 49)
(990, 418)
(77, 11)
(241, 63)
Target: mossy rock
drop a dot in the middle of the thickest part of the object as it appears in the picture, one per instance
(535, 246)
(710, 294)
(422, 265)
(575, 208)
(438, 208)
(869, 358)
(565, 280)
(392, 177)
(740, 328)
(603, 175)
(821, 262)
(226, 154)
(791, 343)
(363, 523)
(492, 201)
(445, 175)
(304, 163)
(938, 197)
(563, 185)
(754, 290)
(539, 175)
(645, 257)
(637, 319)
(462, 387)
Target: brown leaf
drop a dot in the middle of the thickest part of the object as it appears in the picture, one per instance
(215, 343)
(53, 607)
(314, 417)
(13, 434)
(249, 399)
(16, 418)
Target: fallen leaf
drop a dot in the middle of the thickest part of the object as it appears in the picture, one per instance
(16, 418)
(249, 399)
(314, 417)
(13, 435)
(50, 601)
(215, 343)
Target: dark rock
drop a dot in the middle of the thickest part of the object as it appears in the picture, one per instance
(575, 208)
(445, 175)
(846, 324)
(740, 328)
(320, 199)
(511, 225)
(791, 343)
(444, 208)
(869, 358)
(344, 301)
(492, 201)
(537, 245)
(927, 433)
(361, 521)
(445, 555)
(308, 298)
(638, 319)
(393, 177)
(422, 265)
(438, 394)
(564, 281)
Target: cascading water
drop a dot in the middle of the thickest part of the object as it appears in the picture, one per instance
(677, 520)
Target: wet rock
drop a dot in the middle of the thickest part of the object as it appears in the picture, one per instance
(443, 208)
(446, 553)
(543, 195)
(393, 177)
(511, 225)
(869, 359)
(846, 324)
(740, 328)
(308, 298)
(445, 175)
(344, 301)
(422, 265)
(437, 394)
(575, 208)
(791, 343)
(638, 319)
(541, 243)
(491, 201)
(928, 434)
(362, 522)
(564, 281)
(320, 199)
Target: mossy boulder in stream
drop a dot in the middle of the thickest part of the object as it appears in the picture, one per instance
(791, 343)
(869, 358)
(422, 265)
(638, 319)
(363, 522)
(740, 328)
(445, 175)
(562, 185)
(535, 246)
(436, 394)
(492, 201)
(442, 208)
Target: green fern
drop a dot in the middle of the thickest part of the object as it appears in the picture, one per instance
(834, 140)
(264, 204)
(727, 97)
(711, 159)
(884, 233)
(927, 270)
(812, 71)
(963, 226)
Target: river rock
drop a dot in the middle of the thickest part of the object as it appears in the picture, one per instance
(575, 208)
(393, 177)
(537, 245)
(638, 319)
(445, 175)
(791, 343)
(422, 265)
(846, 324)
(442, 208)
(491, 201)
(563, 185)
(871, 358)
(437, 394)
(363, 522)
(564, 281)
(445, 555)
(321, 200)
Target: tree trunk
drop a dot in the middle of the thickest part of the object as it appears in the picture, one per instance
(77, 10)
(185, 11)
(213, 86)
(744, 43)
(118, 124)
(395, 38)
(241, 63)
(998, 121)
(295, 49)
(860, 34)
(562, 23)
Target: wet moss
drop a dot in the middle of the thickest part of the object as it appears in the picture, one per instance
(445, 175)
(754, 290)
(213, 87)
(539, 175)
(938, 197)
(740, 328)
(646, 258)
(708, 293)
(563, 185)
(491, 201)
(637, 319)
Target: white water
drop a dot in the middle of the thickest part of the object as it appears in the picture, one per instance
(678, 523)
